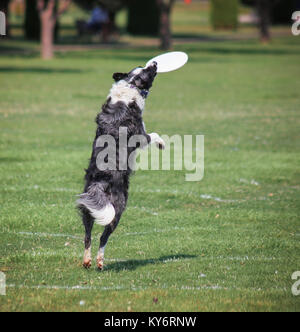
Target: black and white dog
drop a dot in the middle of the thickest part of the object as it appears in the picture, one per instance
(106, 191)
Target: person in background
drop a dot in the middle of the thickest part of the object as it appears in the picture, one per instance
(99, 18)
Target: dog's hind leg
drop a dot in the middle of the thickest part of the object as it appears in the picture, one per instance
(119, 200)
(103, 241)
(88, 222)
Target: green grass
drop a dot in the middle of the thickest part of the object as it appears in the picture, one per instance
(190, 252)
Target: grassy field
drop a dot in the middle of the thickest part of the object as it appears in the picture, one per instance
(229, 242)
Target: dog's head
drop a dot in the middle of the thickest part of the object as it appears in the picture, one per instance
(140, 77)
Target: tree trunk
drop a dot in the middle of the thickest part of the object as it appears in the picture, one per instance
(165, 30)
(47, 35)
(49, 14)
(263, 10)
(165, 7)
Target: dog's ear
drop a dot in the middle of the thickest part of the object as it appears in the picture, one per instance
(119, 76)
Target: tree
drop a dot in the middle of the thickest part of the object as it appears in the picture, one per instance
(152, 17)
(224, 14)
(143, 18)
(263, 9)
(32, 21)
(282, 10)
(49, 13)
(264, 12)
(165, 7)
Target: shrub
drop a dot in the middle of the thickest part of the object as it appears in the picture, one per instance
(224, 14)
(143, 17)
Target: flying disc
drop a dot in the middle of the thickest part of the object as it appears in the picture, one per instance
(169, 61)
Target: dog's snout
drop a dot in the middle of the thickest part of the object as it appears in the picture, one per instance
(152, 64)
(153, 67)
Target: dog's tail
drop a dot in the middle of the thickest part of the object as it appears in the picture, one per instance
(96, 201)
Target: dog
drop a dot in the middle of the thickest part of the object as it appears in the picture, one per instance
(106, 190)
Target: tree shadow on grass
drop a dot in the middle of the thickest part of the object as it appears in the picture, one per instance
(133, 264)
(18, 51)
(8, 160)
(40, 70)
(248, 51)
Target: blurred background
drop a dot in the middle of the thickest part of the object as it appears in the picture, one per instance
(60, 25)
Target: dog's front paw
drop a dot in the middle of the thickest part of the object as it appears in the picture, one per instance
(159, 142)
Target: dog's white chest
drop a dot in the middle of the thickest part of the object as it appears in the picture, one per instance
(121, 91)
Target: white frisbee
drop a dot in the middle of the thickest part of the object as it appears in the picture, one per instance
(169, 61)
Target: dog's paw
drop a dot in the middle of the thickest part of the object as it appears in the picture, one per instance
(87, 263)
(100, 264)
(159, 142)
(87, 258)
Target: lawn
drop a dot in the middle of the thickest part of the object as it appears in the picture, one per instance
(229, 242)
